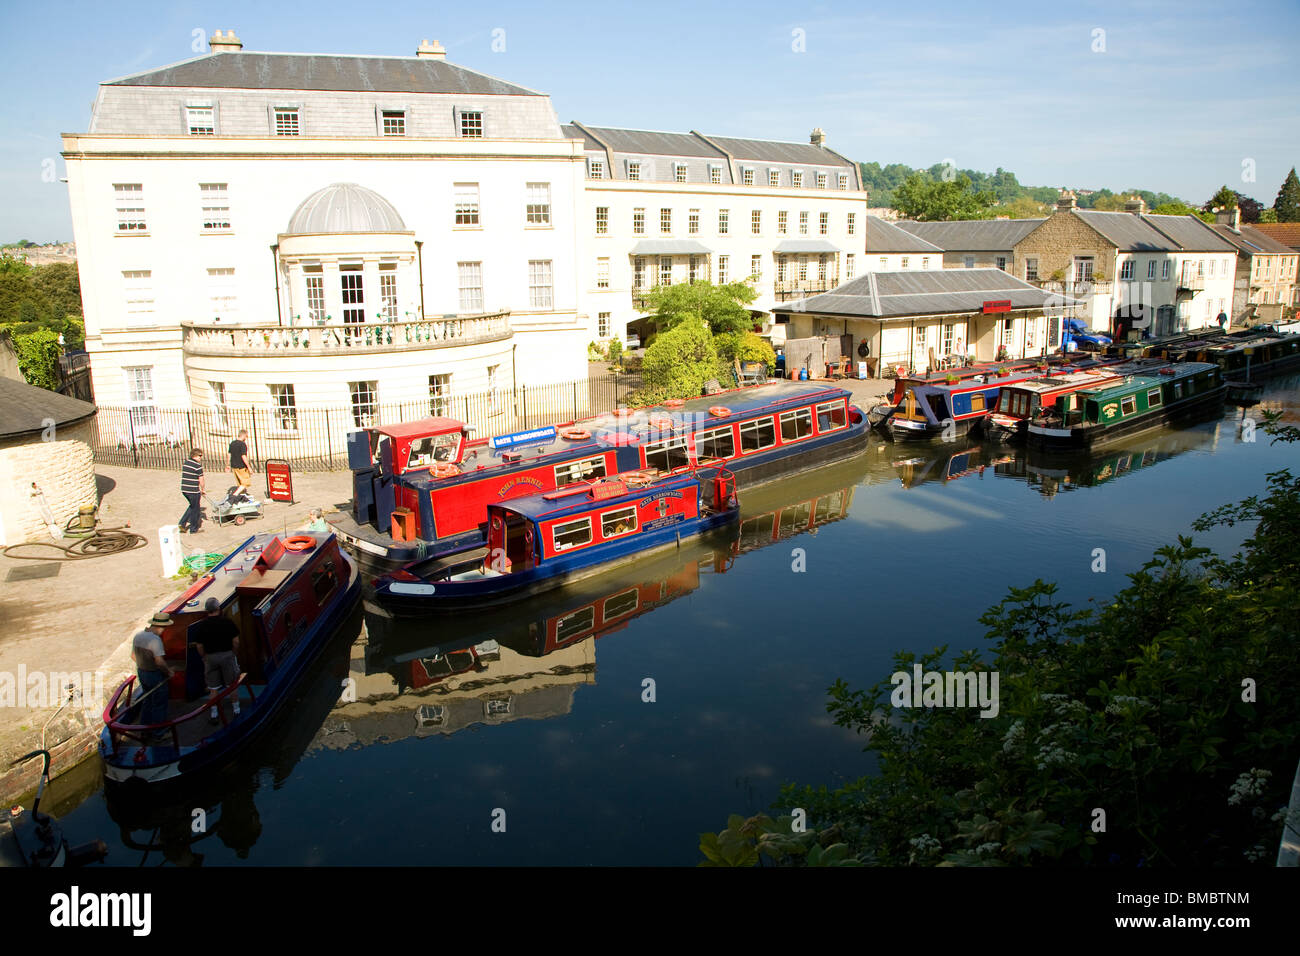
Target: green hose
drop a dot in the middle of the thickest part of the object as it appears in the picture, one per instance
(201, 563)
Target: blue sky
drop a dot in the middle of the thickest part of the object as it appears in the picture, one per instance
(1181, 95)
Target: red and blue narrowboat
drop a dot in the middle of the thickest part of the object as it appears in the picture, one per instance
(423, 489)
(286, 594)
(543, 541)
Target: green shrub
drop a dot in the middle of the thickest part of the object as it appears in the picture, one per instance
(745, 347)
(681, 360)
(615, 349)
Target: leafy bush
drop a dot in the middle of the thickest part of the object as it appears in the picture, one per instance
(615, 349)
(745, 347)
(681, 360)
(38, 357)
(1171, 709)
(594, 352)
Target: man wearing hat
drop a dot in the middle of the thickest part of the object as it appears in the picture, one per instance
(151, 670)
(217, 640)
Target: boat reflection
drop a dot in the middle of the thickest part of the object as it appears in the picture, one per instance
(1053, 472)
(413, 680)
(223, 808)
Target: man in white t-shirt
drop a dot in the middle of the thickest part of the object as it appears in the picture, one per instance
(151, 670)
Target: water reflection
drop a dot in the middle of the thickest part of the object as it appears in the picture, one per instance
(173, 826)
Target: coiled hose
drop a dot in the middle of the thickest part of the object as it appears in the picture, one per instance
(101, 542)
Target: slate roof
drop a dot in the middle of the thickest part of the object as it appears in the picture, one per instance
(771, 151)
(1191, 233)
(25, 408)
(1287, 233)
(884, 236)
(1252, 242)
(973, 235)
(890, 295)
(649, 142)
(319, 71)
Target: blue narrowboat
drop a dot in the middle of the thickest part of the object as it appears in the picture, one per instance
(1177, 392)
(422, 489)
(286, 594)
(542, 541)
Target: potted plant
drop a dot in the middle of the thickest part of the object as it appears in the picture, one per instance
(951, 378)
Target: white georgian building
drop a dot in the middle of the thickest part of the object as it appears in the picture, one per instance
(278, 229)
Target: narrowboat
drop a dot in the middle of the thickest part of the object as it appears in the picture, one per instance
(422, 489)
(1177, 392)
(542, 541)
(950, 410)
(286, 594)
(1018, 404)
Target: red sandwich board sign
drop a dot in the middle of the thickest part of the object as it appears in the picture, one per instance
(997, 305)
(279, 480)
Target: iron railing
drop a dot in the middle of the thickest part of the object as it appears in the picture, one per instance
(315, 439)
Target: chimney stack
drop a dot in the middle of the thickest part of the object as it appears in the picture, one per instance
(1136, 205)
(818, 138)
(224, 44)
(1066, 202)
(1230, 217)
(433, 51)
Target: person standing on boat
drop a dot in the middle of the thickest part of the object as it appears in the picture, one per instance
(151, 670)
(192, 485)
(240, 464)
(217, 640)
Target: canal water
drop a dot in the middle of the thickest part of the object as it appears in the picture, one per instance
(613, 723)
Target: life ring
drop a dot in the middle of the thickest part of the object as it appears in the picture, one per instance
(299, 542)
(675, 403)
(445, 469)
(864, 349)
(575, 434)
(719, 411)
(637, 479)
(661, 422)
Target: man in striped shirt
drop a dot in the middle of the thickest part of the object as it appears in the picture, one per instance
(192, 489)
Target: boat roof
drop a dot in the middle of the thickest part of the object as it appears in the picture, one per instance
(1136, 383)
(421, 427)
(609, 429)
(1069, 380)
(235, 567)
(575, 499)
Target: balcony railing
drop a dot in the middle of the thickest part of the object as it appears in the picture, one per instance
(1191, 283)
(206, 338)
(787, 289)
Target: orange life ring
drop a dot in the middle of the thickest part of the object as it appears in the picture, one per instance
(661, 421)
(299, 542)
(675, 403)
(575, 434)
(719, 411)
(445, 469)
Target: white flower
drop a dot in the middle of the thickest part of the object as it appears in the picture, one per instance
(1249, 786)
(988, 849)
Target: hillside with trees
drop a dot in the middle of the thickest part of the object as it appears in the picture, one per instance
(37, 305)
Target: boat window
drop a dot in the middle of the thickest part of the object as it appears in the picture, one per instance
(322, 580)
(572, 471)
(1154, 398)
(571, 625)
(667, 455)
(431, 715)
(621, 604)
(498, 708)
(757, 435)
(715, 443)
(614, 523)
(571, 534)
(977, 401)
(1127, 405)
(830, 416)
(796, 424)
(427, 451)
(1178, 390)
(1004, 403)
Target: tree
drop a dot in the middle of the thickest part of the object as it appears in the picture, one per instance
(677, 364)
(1022, 207)
(1267, 214)
(38, 357)
(61, 286)
(1287, 204)
(941, 201)
(721, 306)
(744, 347)
(1110, 203)
(1225, 198)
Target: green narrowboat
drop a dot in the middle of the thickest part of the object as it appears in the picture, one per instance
(1178, 392)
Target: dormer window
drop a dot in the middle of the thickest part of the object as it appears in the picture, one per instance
(715, 174)
(286, 121)
(679, 172)
(201, 120)
(393, 122)
(471, 124)
(595, 169)
(747, 177)
(634, 172)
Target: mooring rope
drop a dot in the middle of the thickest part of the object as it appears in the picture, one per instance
(103, 542)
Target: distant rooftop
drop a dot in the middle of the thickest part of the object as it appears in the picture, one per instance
(656, 143)
(885, 236)
(973, 235)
